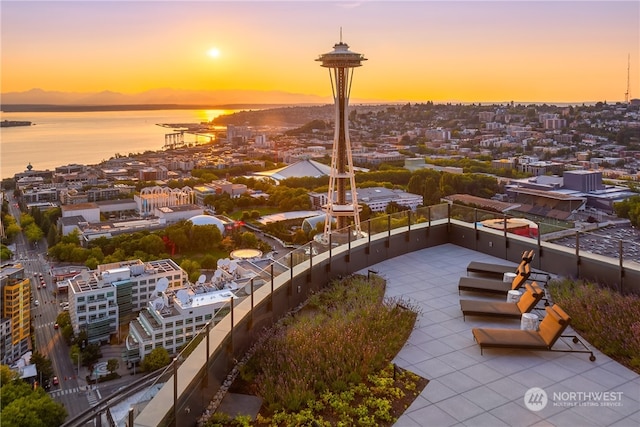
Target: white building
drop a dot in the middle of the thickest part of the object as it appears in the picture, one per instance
(176, 315)
(102, 299)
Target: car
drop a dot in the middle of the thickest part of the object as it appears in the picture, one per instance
(55, 326)
(36, 303)
(55, 381)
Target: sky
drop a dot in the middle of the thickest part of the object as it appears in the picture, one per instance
(417, 51)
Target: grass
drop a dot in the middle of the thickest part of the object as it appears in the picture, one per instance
(607, 319)
(330, 362)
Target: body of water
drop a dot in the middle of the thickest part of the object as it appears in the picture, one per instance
(57, 139)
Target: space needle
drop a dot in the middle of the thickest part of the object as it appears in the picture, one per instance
(341, 63)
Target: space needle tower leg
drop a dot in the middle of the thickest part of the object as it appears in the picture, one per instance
(341, 62)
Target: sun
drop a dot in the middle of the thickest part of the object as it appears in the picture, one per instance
(214, 52)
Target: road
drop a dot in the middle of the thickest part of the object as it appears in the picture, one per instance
(71, 391)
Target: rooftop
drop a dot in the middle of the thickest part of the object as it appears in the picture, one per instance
(469, 389)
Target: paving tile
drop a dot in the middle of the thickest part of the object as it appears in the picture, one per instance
(515, 415)
(485, 420)
(459, 381)
(508, 388)
(553, 371)
(626, 422)
(437, 347)
(470, 389)
(482, 373)
(570, 418)
(433, 368)
(459, 360)
(436, 391)
(618, 369)
(432, 415)
(604, 377)
(460, 407)
(485, 397)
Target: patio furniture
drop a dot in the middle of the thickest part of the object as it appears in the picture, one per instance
(532, 296)
(550, 330)
(493, 286)
(497, 271)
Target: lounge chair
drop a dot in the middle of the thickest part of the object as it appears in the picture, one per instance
(493, 286)
(550, 330)
(528, 301)
(497, 270)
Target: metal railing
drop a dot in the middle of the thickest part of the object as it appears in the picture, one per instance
(194, 384)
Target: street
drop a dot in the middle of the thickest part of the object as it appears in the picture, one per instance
(71, 390)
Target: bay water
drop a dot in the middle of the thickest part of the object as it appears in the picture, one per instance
(61, 138)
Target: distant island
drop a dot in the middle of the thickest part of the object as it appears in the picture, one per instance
(13, 123)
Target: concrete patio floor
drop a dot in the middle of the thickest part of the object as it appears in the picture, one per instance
(470, 389)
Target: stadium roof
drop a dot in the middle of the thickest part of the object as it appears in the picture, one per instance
(303, 168)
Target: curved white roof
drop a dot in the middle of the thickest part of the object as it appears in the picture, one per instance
(207, 220)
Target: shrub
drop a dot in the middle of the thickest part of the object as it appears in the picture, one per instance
(608, 320)
(348, 333)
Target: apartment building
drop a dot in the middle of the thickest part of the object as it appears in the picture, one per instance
(15, 315)
(100, 300)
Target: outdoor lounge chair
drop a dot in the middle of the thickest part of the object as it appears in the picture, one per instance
(496, 271)
(493, 286)
(550, 330)
(528, 301)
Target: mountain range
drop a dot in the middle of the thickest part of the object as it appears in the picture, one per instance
(11, 101)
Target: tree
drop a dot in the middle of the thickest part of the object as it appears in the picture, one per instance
(5, 253)
(43, 365)
(91, 354)
(112, 365)
(158, 358)
(37, 409)
(7, 375)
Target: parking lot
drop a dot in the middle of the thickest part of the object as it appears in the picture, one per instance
(606, 241)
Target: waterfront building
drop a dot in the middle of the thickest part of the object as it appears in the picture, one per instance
(15, 315)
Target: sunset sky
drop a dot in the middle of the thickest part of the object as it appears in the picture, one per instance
(417, 50)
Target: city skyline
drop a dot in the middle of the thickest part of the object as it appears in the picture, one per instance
(417, 51)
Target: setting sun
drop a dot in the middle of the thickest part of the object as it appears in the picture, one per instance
(214, 52)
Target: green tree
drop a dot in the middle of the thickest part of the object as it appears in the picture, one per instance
(209, 262)
(43, 365)
(112, 365)
(7, 375)
(33, 233)
(13, 391)
(35, 410)
(52, 236)
(91, 354)
(5, 253)
(158, 358)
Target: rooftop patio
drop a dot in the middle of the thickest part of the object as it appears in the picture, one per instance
(467, 388)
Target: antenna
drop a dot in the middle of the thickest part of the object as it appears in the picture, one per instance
(626, 94)
(162, 285)
(340, 35)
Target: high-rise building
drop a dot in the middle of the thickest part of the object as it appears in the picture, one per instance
(15, 317)
(341, 62)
